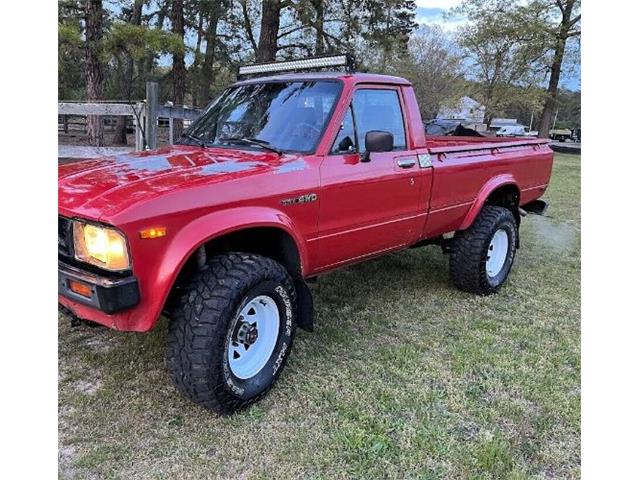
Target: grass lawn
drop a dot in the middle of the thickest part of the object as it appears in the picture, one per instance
(405, 377)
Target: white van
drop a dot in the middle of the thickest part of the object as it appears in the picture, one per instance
(512, 131)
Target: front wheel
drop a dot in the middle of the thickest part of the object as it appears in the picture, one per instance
(231, 331)
(482, 255)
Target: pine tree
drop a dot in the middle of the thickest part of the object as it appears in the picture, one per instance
(134, 17)
(93, 17)
(179, 68)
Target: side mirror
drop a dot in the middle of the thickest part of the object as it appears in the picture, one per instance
(376, 141)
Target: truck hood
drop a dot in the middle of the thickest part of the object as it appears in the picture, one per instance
(100, 188)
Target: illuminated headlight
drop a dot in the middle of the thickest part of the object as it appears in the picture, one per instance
(103, 247)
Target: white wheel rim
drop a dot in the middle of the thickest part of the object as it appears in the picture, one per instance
(246, 359)
(497, 252)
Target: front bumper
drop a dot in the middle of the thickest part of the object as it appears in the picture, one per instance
(109, 295)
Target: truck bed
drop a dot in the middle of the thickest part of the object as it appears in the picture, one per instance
(467, 169)
(437, 144)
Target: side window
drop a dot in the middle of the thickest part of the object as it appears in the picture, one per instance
(346, 138)
(378, 109)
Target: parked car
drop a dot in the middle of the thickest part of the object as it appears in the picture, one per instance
(282, 179)
(512, 131)
(560, 134)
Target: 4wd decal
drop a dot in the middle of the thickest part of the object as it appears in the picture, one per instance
(306, 198)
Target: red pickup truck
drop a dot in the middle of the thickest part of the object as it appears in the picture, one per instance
(281, 179)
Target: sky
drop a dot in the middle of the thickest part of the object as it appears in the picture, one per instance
(432, 12)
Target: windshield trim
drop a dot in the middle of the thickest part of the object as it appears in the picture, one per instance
(323, 131)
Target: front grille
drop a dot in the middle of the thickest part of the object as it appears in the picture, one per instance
(65, 237)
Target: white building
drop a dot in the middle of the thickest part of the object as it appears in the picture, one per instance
(467, 110)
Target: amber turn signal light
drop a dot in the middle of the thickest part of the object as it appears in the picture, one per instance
(80, 288)
(156, 232)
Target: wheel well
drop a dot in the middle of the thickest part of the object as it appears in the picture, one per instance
(507, 196)
(269, 242)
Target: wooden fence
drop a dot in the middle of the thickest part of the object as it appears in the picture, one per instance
(145, 114)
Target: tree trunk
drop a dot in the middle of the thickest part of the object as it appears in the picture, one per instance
(179, 70)
(206, 72)
(318, 6)
(126, 87)
(197, 54)
(246, 22)
(93, 34)
(551, 102)
(349, 31)
(120, 135)
(269, 27)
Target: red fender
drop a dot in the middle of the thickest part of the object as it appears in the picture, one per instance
(488, 188)
(159, 280)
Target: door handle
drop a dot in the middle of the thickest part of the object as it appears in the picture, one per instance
(406, 162)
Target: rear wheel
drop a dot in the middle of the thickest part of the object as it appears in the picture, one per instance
(482, 255)
(231, 331)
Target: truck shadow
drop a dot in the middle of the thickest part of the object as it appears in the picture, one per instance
(347, 299)
(413, 272)
(374, 295)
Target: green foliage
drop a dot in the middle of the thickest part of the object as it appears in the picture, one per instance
(70, 61)
(389, 25)
(140, 41)
(512, 47)
(569, 109)
(503, 51)
(500, 58)
(434, 68)
(376, 31)
(69, 35)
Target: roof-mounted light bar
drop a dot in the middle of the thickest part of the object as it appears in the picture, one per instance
(328, 61)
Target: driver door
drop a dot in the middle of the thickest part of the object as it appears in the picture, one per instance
(370, 207)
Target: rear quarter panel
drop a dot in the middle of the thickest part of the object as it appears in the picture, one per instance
(462, 181)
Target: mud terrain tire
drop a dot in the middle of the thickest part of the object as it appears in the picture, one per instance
(203, 333)
(494, 235)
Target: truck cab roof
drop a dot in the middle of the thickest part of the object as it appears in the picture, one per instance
(353, 78)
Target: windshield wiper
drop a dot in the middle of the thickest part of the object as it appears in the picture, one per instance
(193, 138)
(252, 141)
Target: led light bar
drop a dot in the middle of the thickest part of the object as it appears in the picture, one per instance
(343, 60)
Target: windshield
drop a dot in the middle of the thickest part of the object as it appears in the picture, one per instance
(287, 116)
